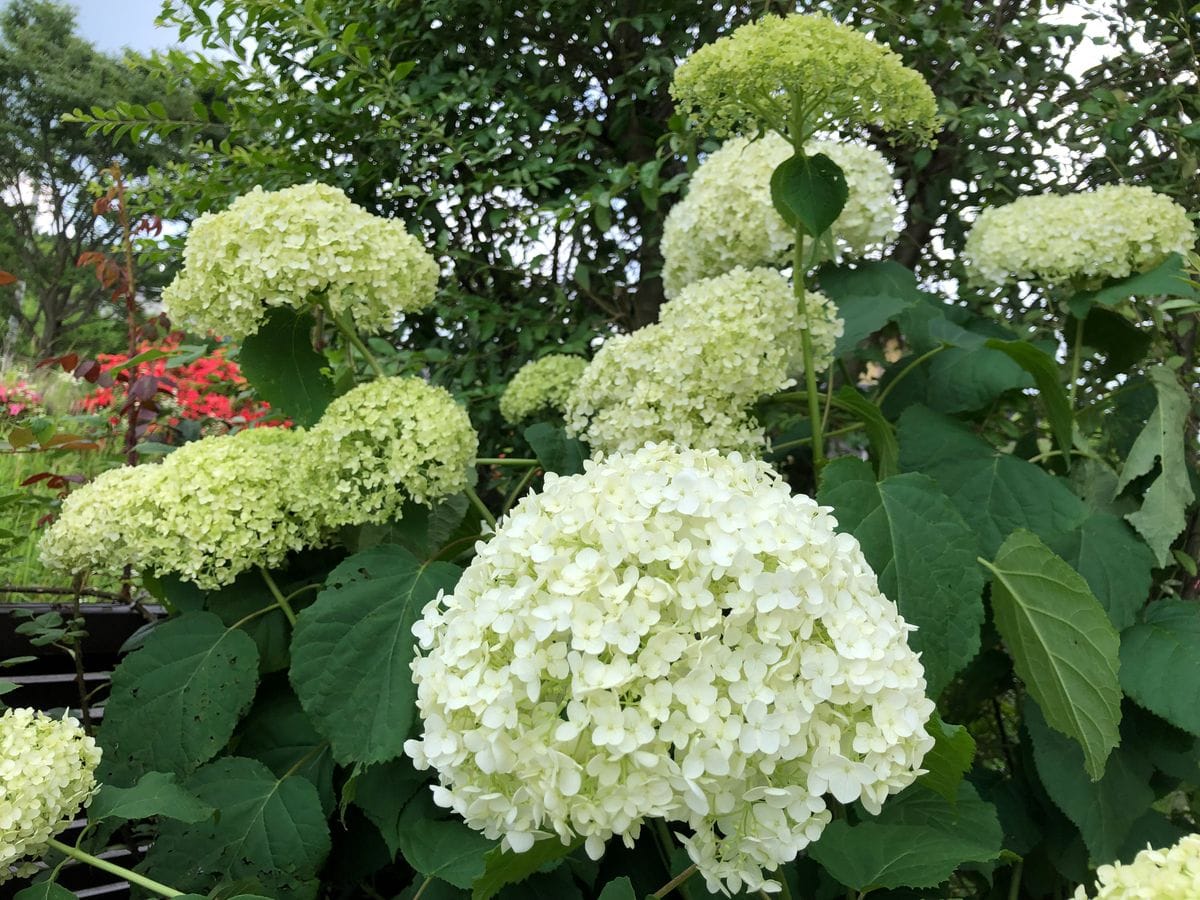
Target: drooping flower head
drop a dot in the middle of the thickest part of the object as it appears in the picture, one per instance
(727, 218)
(282, 248)
(382, 443)
(747, 81)
(47, 771)
(670, 634)
(1111, 232)
(691, 379)
(1170, 874)
(541, 385)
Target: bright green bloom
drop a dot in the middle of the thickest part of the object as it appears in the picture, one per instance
(383, 443)
(727, 218)
(1170, 874)
(47, 772)
(284, 248)
(541, 385)
(745, 82)
(1110, 232)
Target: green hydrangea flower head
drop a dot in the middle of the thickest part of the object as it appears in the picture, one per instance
(284, 248)
(541, 385)
(1170, 874)
(47, 772)
(746, 81)
(382, 443)
(727, 218)
(1111, 232)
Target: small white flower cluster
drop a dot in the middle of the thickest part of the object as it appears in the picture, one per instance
(47, 771)
(727, 218)
(283, 248)
(1111, 232)
(691, 378)
(1170, 874)
(541, 385)
(671, 634)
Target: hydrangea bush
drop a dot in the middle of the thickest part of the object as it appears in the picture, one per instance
(824, 584)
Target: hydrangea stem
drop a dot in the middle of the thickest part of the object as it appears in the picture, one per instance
(278, 595)
(348, 332)
(113, 869)
(676, 881)
(810, 371)
(479, 505)
(1076, 361)
(507, 461)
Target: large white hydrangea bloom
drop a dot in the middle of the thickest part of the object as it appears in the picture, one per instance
(281, 248)
(1111, 232)
(541, 385)
(47, 771)
(1170, 874)
(382, 443)
(727, 218)
(670, 634)
(691, 378)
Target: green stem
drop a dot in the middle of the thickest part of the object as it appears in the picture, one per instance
(528, 477)
(906, 371)
(1076, 362)
(785, 892)
(479, 505)
(787, 397)
(308, 587)
(506, 461)
(810, 370)
(676, 881)
(800, 442)
(254, 615)
(1014, 886)
(356, 342)
(421, 890)
(278, 595)
(114, 869)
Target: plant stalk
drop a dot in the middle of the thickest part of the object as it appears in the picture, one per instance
(1076, 362)
(810, 371)
(278, 595)
(676, 881)
(113, 869)
(481, 507)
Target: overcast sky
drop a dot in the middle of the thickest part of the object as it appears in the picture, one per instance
(114, 24)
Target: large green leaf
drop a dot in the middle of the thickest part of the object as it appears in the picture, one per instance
(1115, 562)
(1044, 369)
(618, 889)
(1161, 517)
(437, 843)
(996, 493)
(1062, 643)
(269, 829)
(503, 867)
(176, 700)
(867, 296)
(1103, 810)
(278, 733)
(1123, 344)
(45, 890)
(919, 840)
(809, 192)
(924, 555)
(962, 379)
(880, 433)
(352, 650)
(279, 360)
(949, 760)
(1168, 279)
(382, 792)
(1160, 662)
(155, 794)
(554, 450)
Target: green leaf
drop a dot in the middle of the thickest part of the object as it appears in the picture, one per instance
(267, 829)
(1063, 646)
(618, 889)
(270, 631)
(1103, 810)
(353, 647)
(996, 493)
(879, 430)
(868, 296)
(382, 792)
(949, 760)
(1115, 562)
(278, 734)
(1044, 370)
(155, 794)
(809, 192)
(963, 379)
(503, 867)
(1169, 279)
(437, 843)
(45, 890)
(555, 451)
(1123, 344)
(176, 700)
(1160, 662)
(1161, 517)
(924, 555)
(279, 360)
(919, 840)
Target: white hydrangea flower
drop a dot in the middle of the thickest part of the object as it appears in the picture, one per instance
(47, 771)
(540, 385)
(1170, 874)
(671, 634)
(692, 378)
(1111, 232)
(382, 443)
(281, 248)
(727, 218)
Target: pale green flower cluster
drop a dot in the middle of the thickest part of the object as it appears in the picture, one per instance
(382, 443)
(47, 771)
(1170, 874)
(672, 634)
(744, 83)
(1111, 232)
(286, 248)
(727, 218)
(691, 379)
(541, 385)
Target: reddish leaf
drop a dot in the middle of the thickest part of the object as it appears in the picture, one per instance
(34, 479)
(7, 278)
